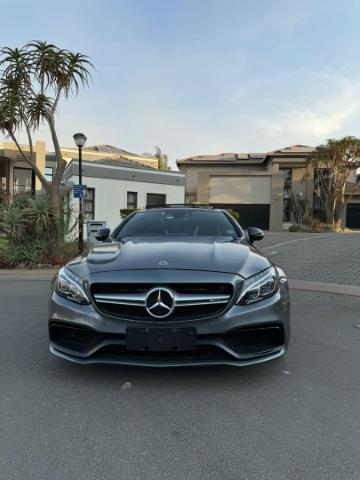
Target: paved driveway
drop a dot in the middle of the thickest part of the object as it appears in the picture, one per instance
(330, 258)
(296, 418)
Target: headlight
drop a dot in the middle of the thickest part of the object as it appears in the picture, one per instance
(258, 287)
(281, 275)
(70, 286)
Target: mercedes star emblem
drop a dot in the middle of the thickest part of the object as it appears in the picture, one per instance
(160, 302)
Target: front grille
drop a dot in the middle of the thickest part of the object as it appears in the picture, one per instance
(191, 300)
(203, 352)
(242, 344)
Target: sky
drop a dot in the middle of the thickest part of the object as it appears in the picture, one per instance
(202, 76)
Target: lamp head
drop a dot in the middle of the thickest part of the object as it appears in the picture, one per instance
(79, 139)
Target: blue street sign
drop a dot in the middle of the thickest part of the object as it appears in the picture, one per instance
(79, 191)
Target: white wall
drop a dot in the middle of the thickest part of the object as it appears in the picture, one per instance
(111, 196)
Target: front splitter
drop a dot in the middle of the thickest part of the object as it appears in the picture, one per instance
(163, 363)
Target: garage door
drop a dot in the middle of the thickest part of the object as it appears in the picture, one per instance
(353, 215)
(250, 215)
(240, 189)
(248, 195)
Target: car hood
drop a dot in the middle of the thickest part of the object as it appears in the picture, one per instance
(224, 256)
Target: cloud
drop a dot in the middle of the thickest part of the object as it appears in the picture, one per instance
(324, 113)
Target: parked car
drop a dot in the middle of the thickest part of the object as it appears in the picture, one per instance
(171, 287)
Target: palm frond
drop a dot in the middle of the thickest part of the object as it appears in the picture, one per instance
(76, 72)
(39, 109)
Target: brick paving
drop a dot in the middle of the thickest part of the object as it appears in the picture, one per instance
(329, 258)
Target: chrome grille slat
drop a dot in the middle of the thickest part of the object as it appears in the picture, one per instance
(191, 301)
(181, 300)
(121, 298)
(188, 300)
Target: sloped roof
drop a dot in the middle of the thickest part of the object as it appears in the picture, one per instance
(122, 162)
(124, 170)
(105, 148)
(226, 158)
(294, 149)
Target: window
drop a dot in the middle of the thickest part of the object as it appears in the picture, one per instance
(3, 174)
(178, 223)
(24, 180)
(49, 173)
(155, 199)
(89, 204)
(131, 199)
(287, 195)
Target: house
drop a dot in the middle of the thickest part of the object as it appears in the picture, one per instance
(97, 152)
(16, 175)
(118, 183)
(257, 185)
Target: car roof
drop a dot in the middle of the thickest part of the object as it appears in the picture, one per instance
(174, 208)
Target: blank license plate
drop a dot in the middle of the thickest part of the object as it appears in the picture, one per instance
(160, 339)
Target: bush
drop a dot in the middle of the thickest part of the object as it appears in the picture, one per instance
(125, 212)
(67, 251)
(3, 242)
(30, 228)
(295, 227)
(316, 227)
(234, 214)
(28, 254)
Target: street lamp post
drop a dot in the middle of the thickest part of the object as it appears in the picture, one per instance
(80, 140)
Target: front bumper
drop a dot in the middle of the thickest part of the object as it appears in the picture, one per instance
(243, 335)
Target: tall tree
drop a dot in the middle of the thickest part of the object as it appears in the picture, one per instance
(33, 80)
(163, 159)
(331, 166)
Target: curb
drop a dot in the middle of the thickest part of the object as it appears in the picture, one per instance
(24, 274)
(320, 287)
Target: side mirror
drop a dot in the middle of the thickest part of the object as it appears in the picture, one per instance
(254, 234)
(102, 234)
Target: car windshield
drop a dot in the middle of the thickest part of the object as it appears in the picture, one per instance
(184, 223)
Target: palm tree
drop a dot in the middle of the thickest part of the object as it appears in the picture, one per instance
(33, 79)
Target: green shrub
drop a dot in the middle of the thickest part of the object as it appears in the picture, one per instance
(234, 214)
(31, 229)
(125, 212)
(67, 251)
(3, 242)
(22, 200)
(296, 228)
(28, 254)
(13, 223)
(316, 227)
(40, 215)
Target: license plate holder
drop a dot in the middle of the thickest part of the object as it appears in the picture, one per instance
(161, 339)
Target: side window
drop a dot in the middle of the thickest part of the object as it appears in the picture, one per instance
(155, 199)
(23, 180)
(49, 174)
(89, 204)
(131, 200)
